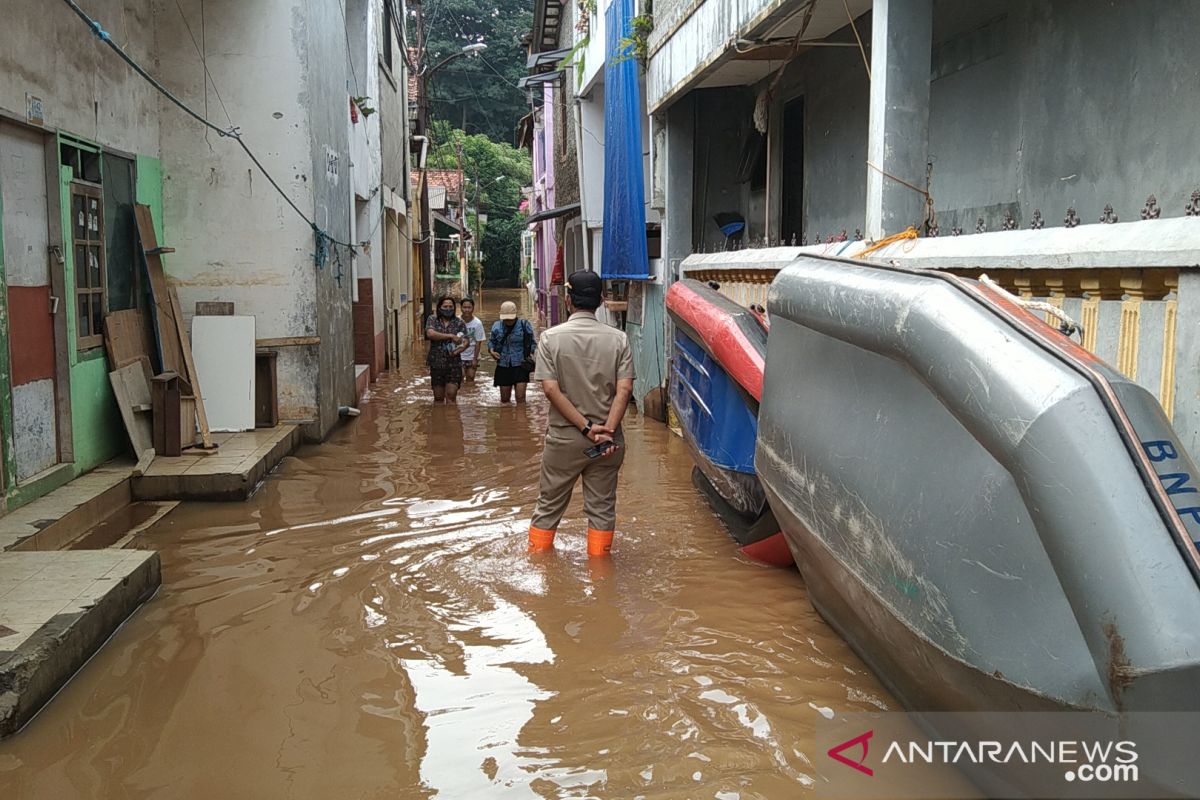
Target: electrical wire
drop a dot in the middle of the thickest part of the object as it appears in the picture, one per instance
(500, 75)
(323, 239)
(203, 58)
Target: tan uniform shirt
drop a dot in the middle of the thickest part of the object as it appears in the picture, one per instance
(587, 358)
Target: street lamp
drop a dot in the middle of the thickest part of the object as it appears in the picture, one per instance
(467, 50)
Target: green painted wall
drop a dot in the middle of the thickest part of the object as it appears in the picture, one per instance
(99, 432)
(149, 190)
(97, 429)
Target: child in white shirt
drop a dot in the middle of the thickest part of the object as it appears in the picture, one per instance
(475, 335)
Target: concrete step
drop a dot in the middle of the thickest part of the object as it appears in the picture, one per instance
(56, 610)
(53, 521)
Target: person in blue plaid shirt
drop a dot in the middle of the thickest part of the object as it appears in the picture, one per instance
(512, 344)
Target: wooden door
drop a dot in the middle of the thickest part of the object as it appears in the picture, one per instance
(27, 281)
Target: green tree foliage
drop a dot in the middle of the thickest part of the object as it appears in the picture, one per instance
(478, 92)
(502, 244)
(493, 172)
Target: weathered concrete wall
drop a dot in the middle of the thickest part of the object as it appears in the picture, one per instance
(47, 51)
(324, 56)
(25, 272)
(726, 120)
(393, 112)
(1033, 105)
(591, 165)
(236, 239)
(836, 92)
(566, 165)
(648, 343)
(1068, 103)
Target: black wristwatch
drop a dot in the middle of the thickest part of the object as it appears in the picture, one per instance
(587, 429)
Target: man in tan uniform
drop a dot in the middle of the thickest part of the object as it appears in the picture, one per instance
(586, 370)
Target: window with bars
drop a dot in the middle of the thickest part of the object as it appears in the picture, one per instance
(388, 40)
(87, 233)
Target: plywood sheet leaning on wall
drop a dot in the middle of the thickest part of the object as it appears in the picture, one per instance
(174, 347)
(126, 338)
(132, 389)
(165, 326)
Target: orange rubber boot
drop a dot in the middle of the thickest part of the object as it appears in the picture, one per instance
(540, 540)
(599, 542)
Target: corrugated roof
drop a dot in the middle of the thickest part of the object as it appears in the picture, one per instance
(450, 179)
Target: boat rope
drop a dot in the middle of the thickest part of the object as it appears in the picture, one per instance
(911, 233)
(1066, 326)
(857, 38)
(930, 215)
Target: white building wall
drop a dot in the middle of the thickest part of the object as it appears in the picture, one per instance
(50, 53)
(235, 238)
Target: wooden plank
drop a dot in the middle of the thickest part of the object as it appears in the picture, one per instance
(187, 410)
(143, 464)
(266, 389)
(186, 346)
(165, 327)
(213, 309)
(167, 414)
(131, 390)
(289, 341)
(125, 337)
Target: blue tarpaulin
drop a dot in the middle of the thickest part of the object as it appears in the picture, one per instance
(623, 253)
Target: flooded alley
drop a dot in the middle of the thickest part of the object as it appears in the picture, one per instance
(369, 624)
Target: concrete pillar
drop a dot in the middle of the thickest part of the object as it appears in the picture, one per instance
(1186, 365)
(898, 135)
(680, 155)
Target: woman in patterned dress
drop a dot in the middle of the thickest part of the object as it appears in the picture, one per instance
(447, 335)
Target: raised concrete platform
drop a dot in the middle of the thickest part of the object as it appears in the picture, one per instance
(56, 610)
(50, 522)
(232, 472)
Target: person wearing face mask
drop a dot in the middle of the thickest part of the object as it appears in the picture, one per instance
(447, 335)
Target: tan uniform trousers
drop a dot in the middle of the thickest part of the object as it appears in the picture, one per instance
(563, 462)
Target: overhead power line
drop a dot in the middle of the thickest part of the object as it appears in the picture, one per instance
(323, 239)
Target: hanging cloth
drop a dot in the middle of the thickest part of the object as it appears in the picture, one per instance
(557, 274)
(623, 250)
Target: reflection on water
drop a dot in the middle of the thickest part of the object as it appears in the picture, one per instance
(370, 625)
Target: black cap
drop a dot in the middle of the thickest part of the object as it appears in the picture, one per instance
(586, 288)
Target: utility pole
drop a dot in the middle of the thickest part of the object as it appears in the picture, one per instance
(463, 265)
(423, 130)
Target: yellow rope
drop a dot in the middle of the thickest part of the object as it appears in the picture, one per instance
(861, 49)
(911, 233)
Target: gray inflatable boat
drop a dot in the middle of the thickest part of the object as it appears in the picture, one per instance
(993, 518)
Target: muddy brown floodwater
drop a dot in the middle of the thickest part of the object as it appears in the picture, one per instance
(369, 624)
